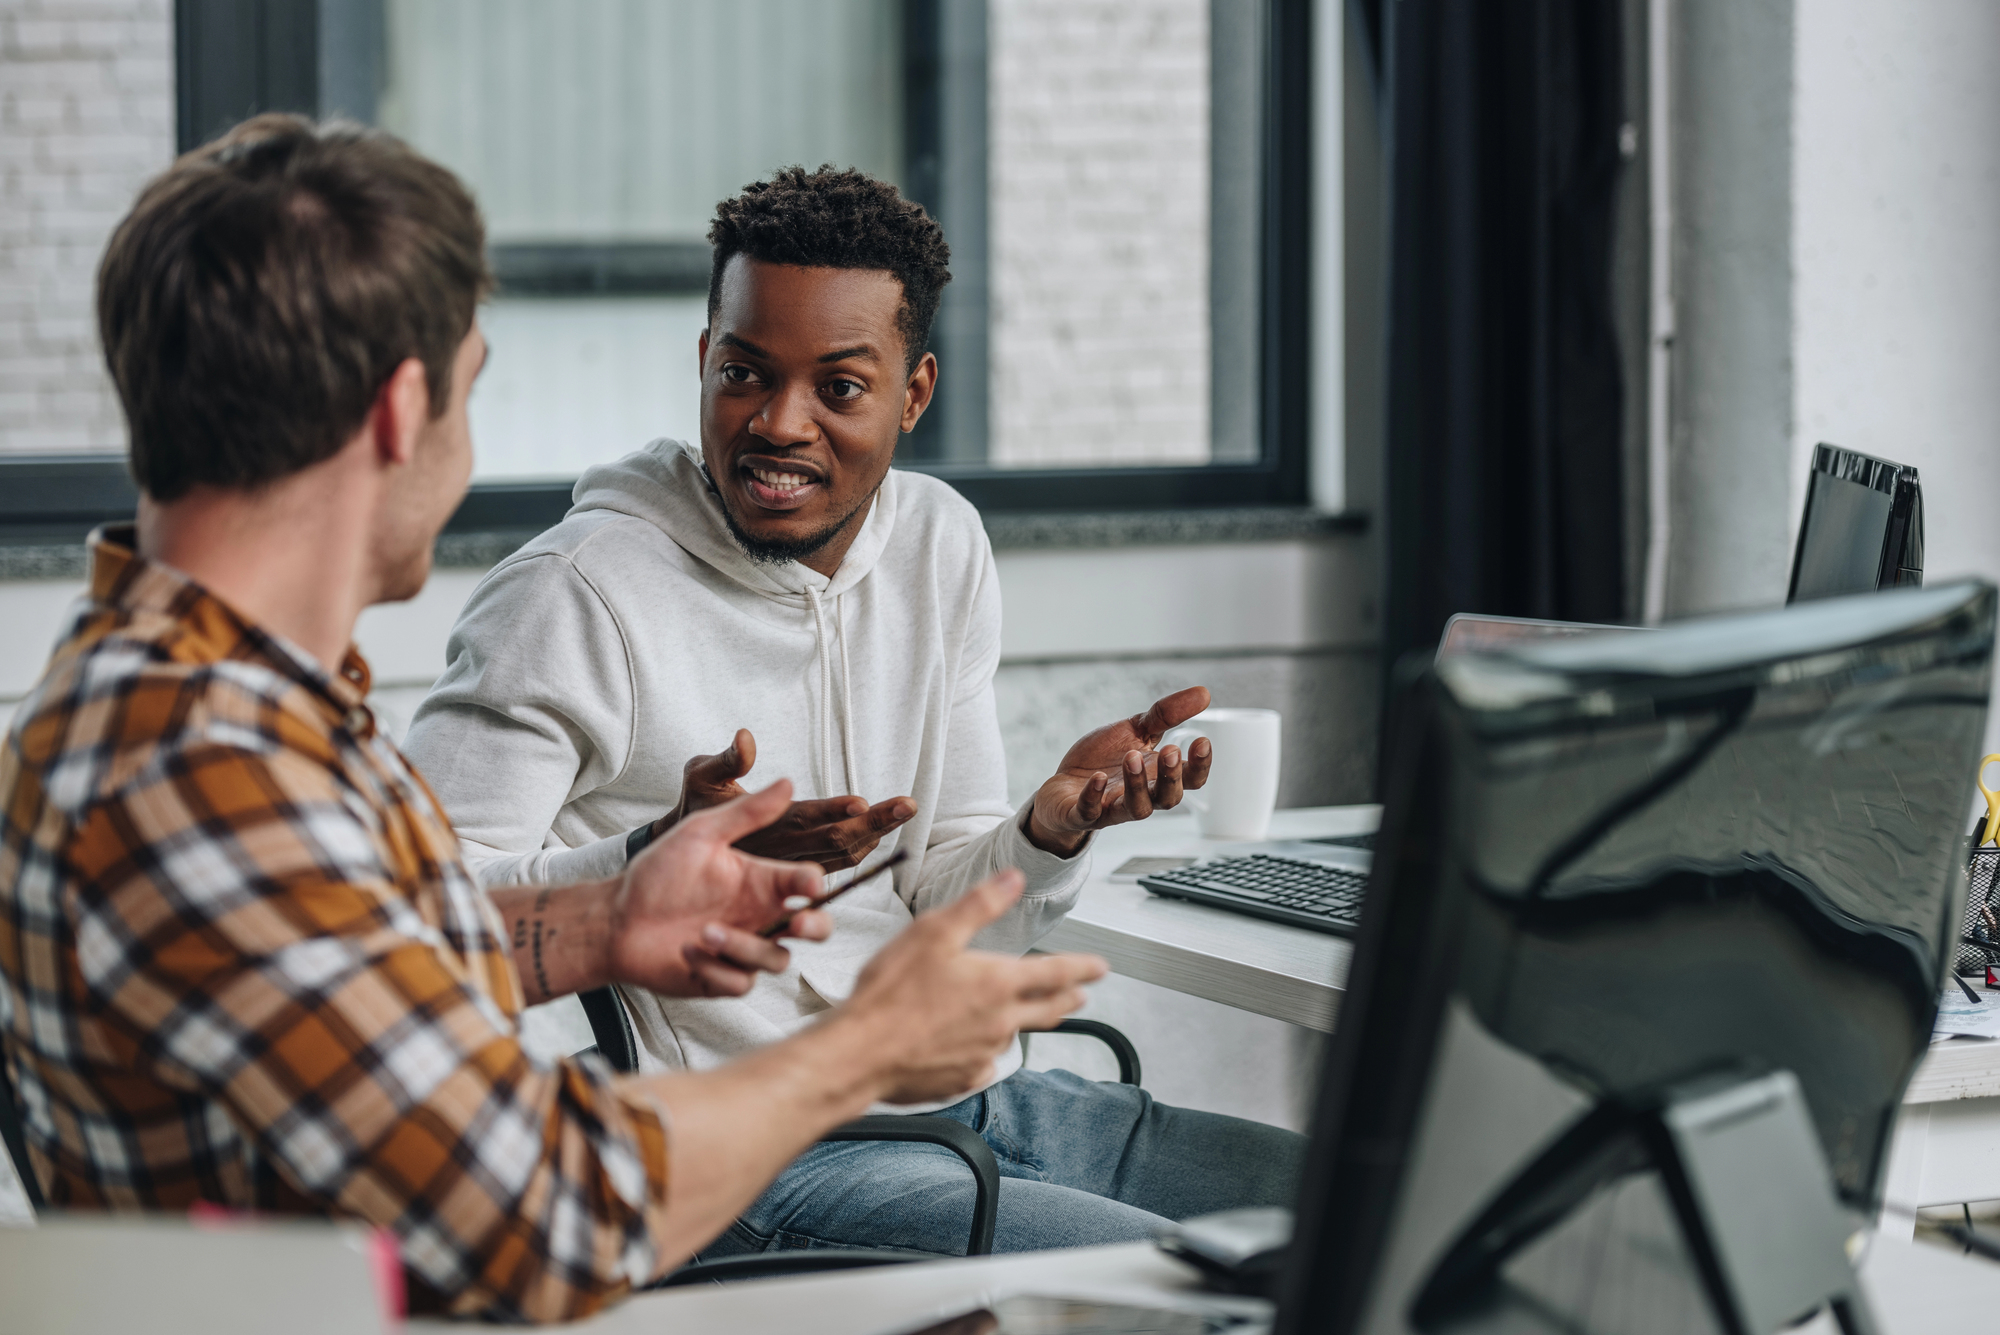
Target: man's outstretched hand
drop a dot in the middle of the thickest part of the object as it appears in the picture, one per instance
(1113, 775)
(835, 832)
(686, 913)
(938, 1013)
(682, 918)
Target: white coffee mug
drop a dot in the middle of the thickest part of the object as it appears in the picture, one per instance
(1242, 787)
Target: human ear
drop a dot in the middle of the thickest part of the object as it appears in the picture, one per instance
(918, 393)
(402, 407)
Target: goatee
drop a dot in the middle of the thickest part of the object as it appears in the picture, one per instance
(777, 551)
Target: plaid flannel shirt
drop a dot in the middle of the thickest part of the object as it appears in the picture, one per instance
(243, 963)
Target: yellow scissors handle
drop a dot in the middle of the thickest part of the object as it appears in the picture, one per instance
(1991, 831)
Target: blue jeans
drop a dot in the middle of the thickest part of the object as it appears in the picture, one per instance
(1081, 1162)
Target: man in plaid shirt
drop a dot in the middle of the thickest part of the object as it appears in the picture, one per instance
(242, 960)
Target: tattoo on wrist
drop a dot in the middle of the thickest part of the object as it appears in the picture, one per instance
(529, 936)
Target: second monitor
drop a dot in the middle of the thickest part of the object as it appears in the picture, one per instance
(1863, 527)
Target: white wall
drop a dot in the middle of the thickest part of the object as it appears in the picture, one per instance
(1731, 401)
(1238, 597)
(31, 616)
(1896, 208)
(1837, 276)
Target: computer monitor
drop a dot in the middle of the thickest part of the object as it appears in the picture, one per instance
(1474, 632)
(1863, 527)
(1632, 891)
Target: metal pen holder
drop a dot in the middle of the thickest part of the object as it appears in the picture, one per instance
(1979, 942)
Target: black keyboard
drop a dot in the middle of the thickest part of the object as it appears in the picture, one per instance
(1288, 890)
(1364, 842)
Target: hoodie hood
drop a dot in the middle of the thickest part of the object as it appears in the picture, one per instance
(666, 484)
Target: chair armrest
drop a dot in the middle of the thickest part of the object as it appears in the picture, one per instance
(961, 1140)
(795, 1261)
(616, 1044)
(611, 1027)
(1121, 1046)
(15, 1137)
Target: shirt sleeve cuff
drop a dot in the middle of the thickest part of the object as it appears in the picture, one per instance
(1046, 872)
(548, 866)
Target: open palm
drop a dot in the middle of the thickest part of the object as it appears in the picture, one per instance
(1113, 774)
(835, 832)
(692, 878)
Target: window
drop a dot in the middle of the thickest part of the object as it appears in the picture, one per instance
(1097, 168)
(1125, 185)
(1122, 215)
(597, 138)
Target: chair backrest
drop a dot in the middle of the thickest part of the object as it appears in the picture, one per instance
(611, 1027)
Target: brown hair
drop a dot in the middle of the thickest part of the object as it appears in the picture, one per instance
(266, 285)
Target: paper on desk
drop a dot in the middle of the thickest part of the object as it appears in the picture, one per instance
(1957, 1016)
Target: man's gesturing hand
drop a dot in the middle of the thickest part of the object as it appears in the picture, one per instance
(835, 832)
(685, 915)
(942, 1013)
(1082, 796)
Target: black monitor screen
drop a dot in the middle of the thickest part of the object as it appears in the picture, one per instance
(1840, 545)
(1618, 863)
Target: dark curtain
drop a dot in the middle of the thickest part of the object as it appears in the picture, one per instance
(1505, 490)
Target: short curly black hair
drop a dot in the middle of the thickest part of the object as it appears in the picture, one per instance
(837, 219)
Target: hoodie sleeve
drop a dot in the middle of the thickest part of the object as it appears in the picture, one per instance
(976, 832)
(537, 686)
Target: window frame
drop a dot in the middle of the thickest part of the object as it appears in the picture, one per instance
(234, 57)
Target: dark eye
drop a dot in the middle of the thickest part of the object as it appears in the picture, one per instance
(736, 373)
(844, 389)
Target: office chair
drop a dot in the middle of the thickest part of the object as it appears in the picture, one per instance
(618, 1045)
(17, 1143)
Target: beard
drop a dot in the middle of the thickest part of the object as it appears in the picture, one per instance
(777, 551)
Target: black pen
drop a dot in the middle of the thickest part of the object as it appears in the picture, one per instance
(799, 903)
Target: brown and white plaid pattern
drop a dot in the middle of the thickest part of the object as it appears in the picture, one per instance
(243, 963)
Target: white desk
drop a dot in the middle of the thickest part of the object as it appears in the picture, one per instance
(1947, 1145)
(1283, 972)
(1915, 1290)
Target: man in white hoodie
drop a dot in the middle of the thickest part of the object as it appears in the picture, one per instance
(781, 580)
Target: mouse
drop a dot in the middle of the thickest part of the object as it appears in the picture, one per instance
(1237, 1251)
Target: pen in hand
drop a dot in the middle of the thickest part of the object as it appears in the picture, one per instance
(800, 903)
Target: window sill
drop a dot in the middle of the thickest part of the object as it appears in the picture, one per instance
(1015, 530)
(1008, 531)
(43, 560)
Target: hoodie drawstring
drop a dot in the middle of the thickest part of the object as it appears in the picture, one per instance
(846, 696)
(826, 710)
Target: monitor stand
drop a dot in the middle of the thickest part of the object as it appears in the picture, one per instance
(1742, 1167)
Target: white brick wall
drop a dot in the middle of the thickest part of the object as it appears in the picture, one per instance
(1099, 199)
(86, 116)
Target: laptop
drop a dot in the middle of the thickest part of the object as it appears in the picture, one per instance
(1318, 884)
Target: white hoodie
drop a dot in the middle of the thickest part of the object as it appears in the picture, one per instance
(588, 667)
